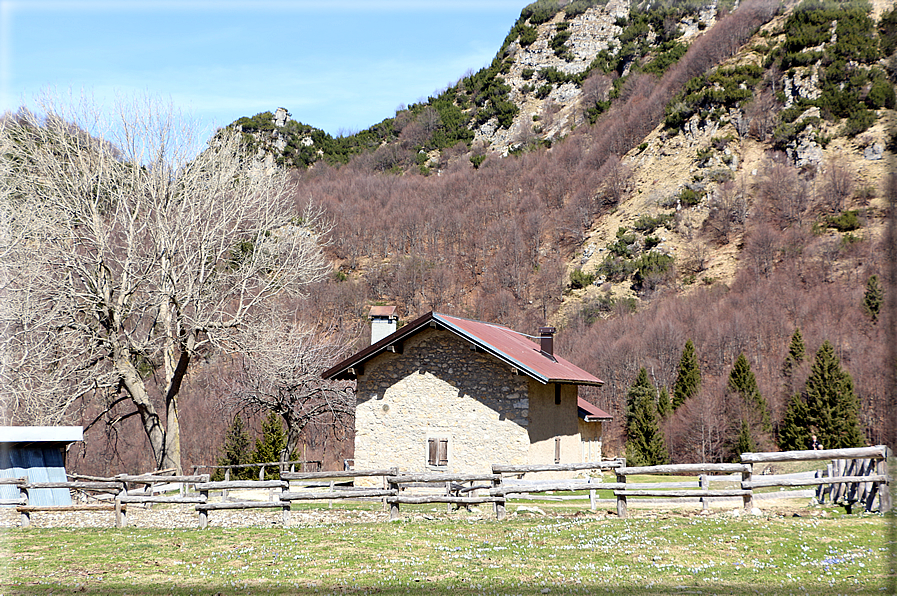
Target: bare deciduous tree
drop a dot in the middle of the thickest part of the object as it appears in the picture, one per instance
(699, 429)
(782, 192)
(760, 116)
(839, 183)
(282, 374)
(138, 254)
(728, 212)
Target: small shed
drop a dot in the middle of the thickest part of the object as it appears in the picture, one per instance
(38, 454)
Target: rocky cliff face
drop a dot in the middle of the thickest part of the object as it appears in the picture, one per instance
(550, 114)
(594, 31)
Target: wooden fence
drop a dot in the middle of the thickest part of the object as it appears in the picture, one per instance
(283, 500)
(510, 489)
(120, 490)
(854, 476)
(281, 466)
(680, 490)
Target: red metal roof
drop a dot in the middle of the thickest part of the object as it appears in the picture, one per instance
(383, 311)
(591, 411)
(505, 344)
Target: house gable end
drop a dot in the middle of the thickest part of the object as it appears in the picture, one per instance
(440, 399)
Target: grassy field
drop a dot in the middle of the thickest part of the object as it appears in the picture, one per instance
(820, 552)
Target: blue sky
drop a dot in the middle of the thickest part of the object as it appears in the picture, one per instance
(339, 65)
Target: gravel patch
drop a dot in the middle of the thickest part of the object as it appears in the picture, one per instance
(186, 517)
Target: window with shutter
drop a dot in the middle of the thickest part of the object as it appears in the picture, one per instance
(442, 452)
(437, 452)
(431, 452)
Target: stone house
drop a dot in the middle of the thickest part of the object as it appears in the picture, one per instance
(445, 393)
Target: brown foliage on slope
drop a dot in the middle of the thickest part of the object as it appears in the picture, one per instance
(757, 316)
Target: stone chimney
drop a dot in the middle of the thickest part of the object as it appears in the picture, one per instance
(546, 341)
(383, 322)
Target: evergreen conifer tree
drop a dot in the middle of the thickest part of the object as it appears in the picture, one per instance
(747, 405)
(872, 299)
(270, 447)
(743, 382)
(663, 404)
(235, 451)
(796, 353)
(644, 439)
(832, 406)
(688, 376)
(794, 432)
(745, 443)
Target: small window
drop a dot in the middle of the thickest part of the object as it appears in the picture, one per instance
(437, 452)
(557, 450)
(557, 394)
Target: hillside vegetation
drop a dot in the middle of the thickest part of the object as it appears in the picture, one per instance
(638, 174)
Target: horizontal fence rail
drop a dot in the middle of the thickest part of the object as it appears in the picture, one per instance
(853, 477)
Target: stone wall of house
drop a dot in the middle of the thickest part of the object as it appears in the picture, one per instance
(439, 388)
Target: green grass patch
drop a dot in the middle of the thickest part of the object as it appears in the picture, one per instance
(585, 554)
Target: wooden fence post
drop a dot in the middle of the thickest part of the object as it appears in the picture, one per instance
(622, 511)
(120, 513)
(593, 497)
(287, 504)
(25, 515)
(203, 513)
(499, 506)
(704, 483)
(394, 506)
(448, 493)
(884, 489)
(830, 472)
(850, 491)
(838, 469)
(867, 469)
(747, 477)
(25, 518)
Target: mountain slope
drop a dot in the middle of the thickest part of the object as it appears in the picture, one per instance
(728, 193)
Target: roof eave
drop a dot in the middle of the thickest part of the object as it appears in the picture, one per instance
(597, 383)
(339, 370)
(598, 418)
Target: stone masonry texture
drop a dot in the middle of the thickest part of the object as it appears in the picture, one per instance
(439, 388)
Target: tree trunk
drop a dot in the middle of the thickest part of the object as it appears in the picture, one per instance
(175, 374)
(173, 437)
(152, 424)
(293, 432)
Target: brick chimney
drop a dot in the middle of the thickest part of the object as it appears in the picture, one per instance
(546, 341)
(383, 322)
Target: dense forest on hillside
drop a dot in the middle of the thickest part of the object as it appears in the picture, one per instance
(426, 219)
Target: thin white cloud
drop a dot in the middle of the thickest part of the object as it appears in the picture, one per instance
(223, 68)
(467, 6)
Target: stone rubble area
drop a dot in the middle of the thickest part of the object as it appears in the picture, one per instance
(187, 518)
